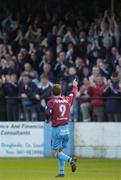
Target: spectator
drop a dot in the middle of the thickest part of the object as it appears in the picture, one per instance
(95, 74)
(105, 70)
(60, 67)
(69, 37)
(3, 67)
(82, 43)
(20, 64)
(85, 101)
(2, 102)
(59, 45)
(34, 61)
(5, 47)
(106, 36)
(93, 54)
(27, 90)
(12, 102)
(48, 58)
(11, 67)
(19, 41)
(34, 77)
(72, 74)
(28, 69)
(113, 101)
(114, 58)
(47, 70)
(95, 90)
(79, 63)
(70, 55)
(43, 93)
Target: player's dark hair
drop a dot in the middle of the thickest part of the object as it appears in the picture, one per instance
(56, 89)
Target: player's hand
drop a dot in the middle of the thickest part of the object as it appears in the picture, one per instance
(75, 83)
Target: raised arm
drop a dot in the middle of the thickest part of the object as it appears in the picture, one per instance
(74, 92)
(103, 22)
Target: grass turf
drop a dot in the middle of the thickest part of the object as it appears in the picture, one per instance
(46, 169)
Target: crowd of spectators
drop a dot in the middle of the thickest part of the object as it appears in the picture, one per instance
(37, 51)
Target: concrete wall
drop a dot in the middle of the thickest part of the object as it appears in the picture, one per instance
(97, 140)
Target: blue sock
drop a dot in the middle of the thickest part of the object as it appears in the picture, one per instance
(61, 166)
(64, 157)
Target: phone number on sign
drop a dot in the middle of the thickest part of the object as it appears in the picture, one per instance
(30, 152)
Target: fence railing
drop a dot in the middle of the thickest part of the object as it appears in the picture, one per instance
(83, 109)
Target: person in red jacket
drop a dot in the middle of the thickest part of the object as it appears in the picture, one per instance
(98, 102)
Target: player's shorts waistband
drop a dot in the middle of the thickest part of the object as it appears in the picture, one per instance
(60, 125)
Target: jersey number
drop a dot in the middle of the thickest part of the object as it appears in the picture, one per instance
(62, 109)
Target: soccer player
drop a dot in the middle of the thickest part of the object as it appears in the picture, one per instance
(58, 110)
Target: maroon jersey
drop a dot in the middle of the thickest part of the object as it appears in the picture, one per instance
(60, 108)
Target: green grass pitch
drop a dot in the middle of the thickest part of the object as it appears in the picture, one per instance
(46, 169)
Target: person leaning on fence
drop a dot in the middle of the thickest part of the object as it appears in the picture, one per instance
(113, 100)
(69, 78)
(98, 102)
(42, 95)
(26, 91)
(12, 102)
(85, 101)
